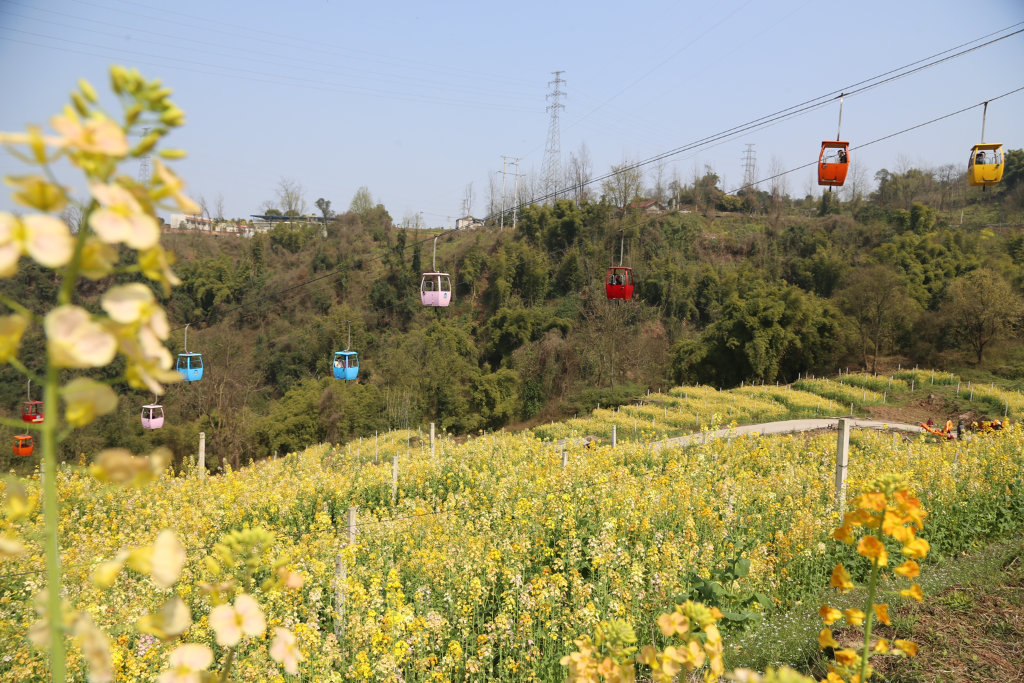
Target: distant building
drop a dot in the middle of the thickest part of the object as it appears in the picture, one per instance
(190, 221)
(468, 223)
(648, 207)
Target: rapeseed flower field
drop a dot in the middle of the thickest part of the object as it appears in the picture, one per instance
(493, 558)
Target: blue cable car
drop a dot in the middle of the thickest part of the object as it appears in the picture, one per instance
(190, 365)
(346, 363)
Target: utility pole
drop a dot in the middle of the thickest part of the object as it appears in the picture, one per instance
(144, 170)
(504, 163)
(553, 147)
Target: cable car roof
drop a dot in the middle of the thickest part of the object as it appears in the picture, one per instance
(989, 145)
(152, 405)
(346, 353)
(835, 143)
(189, 354)
(620, 268)
(426, 274)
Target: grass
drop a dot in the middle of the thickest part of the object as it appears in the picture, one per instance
(969, 628)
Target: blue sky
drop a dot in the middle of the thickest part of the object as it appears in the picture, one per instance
(415, 100)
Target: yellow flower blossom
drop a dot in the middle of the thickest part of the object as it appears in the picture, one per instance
(841, 579)
(846, 657)
(10, 547)
(829, 614)
(45, 239)
(854, 616)
(98, 259)
(96, 135)
(167, 623)
(285, 651)
(75, 341)
(871, 547)
(825, 639)
(12, 327)
(916, 548)
(231, 622)
(95, 649)
(187, 663)
(906, 647)
(86, 400)
(36, 192)
(168, 559)
(913, 592)
(156, 265)
(882, 614)
(122, 219)
(909, 569)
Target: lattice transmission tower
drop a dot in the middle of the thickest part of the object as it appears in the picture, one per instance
(749, 167)
(144, 170)
(553, 148)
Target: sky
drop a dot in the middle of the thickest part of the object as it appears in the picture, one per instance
(416, 100)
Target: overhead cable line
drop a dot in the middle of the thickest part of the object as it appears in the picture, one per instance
(551, 252)
(374, 75)
(371, 92)
(305, 43)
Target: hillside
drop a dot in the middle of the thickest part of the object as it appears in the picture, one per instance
(722, 298)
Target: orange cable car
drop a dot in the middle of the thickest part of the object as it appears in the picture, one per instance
(23, 446)
(834, 160)
(985, 167)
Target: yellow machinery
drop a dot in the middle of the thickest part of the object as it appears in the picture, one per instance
(986, 164)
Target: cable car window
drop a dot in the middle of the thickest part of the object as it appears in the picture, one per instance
(428, 285)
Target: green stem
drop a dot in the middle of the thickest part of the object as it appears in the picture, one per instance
(869, 617)
(18, 308)
(49, 428)
(18, 424)
(71, 276)
(227, 666)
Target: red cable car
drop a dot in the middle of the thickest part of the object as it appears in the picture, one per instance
(23, 445)
(619, 284)
(32, 411)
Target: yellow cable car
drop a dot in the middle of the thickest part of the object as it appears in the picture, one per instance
(985, 166)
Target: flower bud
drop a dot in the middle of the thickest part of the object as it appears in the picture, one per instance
(173, 153)
(88, 90)
(80, 104)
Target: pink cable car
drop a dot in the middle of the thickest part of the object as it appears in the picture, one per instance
(435, 288)
(152, 416)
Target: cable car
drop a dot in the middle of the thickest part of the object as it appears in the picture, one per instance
(833, 163)
(23, 445)
(834, 160)
(435, 288)
(346, 363)
(190, 365)
(985, 167)
(31, 411)
(619, 284)
(152, 416)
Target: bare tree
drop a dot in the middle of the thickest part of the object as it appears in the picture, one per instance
(579, 172)
(267, 205)
(675, 186)
(659, 189)
(778, 184)
(72, 215)
(949, 177)
(468, 200)
(218, 205)
(291, 197)
(626, 183)
(493, 193)
(203, 205)
(413, 220)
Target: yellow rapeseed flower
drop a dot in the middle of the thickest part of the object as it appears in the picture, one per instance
(825, 639)
(913, 592)
(854, 616)
(871, 547)
(882, 614)
(909, 569)
(829, 614)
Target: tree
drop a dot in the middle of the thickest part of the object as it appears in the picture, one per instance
(291, 197)
(579, 172)
(877, 301)
(979, 308)
(468, 200)
(324, 206)
(218, 205)
(362, 201)
(203, 205)
(625, 185)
